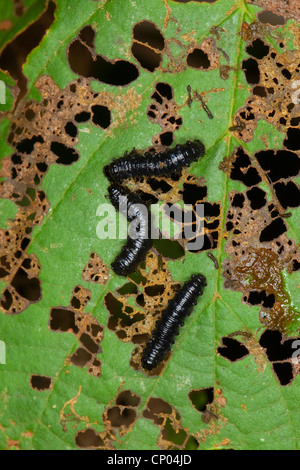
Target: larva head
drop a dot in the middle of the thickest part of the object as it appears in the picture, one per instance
(199, 280)
(107, 172)
(152, 355)
(147, 363)
(111, 172)
(198, 148)
(114, 193)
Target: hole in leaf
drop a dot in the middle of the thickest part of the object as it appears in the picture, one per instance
(257, 197)
(62, 319)
(71, 129)
(80, 357)
(284, 372)
(148, 33)
(271, 18)
(88, 438)
(198, 59)
(201, 398)
(116, 72)
(251, 69)
(127, 398)
(280, 164)
(232, 349)
(40, 382)
(169, 248)
(27, 145)
(288, 194)
(276, 228)
(66, 155)
(292, 142)
(276, 348)
(258, 49)
(121, 417)
(101, 116)
(28, 288)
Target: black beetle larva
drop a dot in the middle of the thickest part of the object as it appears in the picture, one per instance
(167, 327)
(154, 164)
(135, 250)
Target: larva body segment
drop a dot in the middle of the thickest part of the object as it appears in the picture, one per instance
(167, 327)
(135, 250)
(155, 164)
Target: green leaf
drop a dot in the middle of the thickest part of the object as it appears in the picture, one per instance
(250, 408)
(17, 18)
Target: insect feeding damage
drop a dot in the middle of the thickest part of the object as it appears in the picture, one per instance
(259, 247)
(254, 196)
(84, 326)
(118, 419)
(42, 133)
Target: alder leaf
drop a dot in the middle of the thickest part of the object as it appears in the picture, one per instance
(108, 77)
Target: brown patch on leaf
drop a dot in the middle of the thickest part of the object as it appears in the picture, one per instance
(19, 7)
(274, 78)
(259, 248)
(283, 354)
(250, 31)
(5, 25)
(288, 9)
(205, 56)
(41, 134)
(223, 443)
(88, 438)
(122, 414)
(95, 270)
(12, 444)
(173, 436)
(72, 415)
(164, 112)
(130, 323)
(84, 326)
